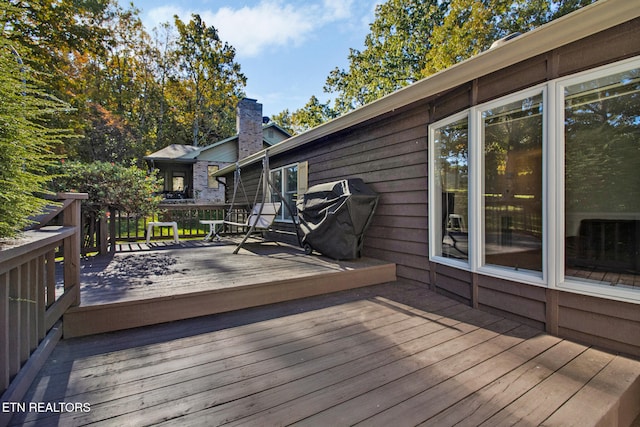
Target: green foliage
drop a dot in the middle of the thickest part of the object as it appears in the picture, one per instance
(394, 53)
(108, 138)
(313, 114)
(213, 81)
(110, 186)
(26, 142)
(412, 39)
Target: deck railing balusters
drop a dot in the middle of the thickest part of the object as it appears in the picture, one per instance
(30, 313)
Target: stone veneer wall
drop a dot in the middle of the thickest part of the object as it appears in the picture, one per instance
(201, 190)
(249, 127)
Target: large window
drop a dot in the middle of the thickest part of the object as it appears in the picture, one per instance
(543, 186)
(451, 181)
(512, 197)
(602, 178)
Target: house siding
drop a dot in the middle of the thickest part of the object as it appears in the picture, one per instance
(390, 154)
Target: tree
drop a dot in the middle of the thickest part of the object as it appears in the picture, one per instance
(468, 28)
(108, 138)
(394, 53)
(412, 39)
(26, 143)
(50, 30)
(213, 81)
(313, 114)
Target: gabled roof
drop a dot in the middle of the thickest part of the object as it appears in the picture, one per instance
(173, 152)
(189, 153)
(584, 22)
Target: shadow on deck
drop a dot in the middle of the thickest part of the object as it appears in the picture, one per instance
(142, 285)
(391, 354)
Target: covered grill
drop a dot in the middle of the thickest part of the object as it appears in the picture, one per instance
(334, 216)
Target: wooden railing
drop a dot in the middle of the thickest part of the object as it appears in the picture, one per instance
(30, 310)
(102, 235)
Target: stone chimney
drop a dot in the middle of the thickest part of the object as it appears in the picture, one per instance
(249, 127)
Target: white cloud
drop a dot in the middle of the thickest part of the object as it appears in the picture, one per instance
(162, 14)
(266, 25)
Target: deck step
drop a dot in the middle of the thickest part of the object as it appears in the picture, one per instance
(108, 317)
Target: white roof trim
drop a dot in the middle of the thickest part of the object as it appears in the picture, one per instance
(582, 23)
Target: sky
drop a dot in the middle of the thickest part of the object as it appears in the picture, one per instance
(286, 48)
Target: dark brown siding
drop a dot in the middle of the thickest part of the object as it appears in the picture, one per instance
(390, 154)
(610, 324)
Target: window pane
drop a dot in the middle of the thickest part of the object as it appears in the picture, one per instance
(286, 181)
(290, 191)
(512, 137)
(177, 183)
(212, 181)
(451, 169)
(602, 179)
(292, 179)
(276, 182)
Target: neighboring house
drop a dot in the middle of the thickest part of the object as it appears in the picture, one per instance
(510, 181)
(188, 170)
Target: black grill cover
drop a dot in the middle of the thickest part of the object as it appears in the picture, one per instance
(334, 216)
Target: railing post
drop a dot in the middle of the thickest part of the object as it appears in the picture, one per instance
(112, 229)
(72, 218)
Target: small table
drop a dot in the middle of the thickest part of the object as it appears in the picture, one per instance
(172, 224)
(213, 223)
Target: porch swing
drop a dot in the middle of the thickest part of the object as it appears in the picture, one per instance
(263, 213)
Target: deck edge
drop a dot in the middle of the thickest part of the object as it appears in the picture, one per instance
(89, 320)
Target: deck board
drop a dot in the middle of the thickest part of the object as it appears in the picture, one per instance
(164, 283)
(393, 354)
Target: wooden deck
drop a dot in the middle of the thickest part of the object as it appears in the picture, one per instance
(144, 284)
(393, 354)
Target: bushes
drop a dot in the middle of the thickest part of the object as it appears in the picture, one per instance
(127, 189)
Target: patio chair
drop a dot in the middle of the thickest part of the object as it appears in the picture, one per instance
(260, 219)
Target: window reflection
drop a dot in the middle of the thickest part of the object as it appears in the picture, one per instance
(602, 179)
(512, 137)
(285, 180)
(452, 172)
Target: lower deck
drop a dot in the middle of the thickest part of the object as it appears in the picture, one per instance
(141, 284)
(392, 354)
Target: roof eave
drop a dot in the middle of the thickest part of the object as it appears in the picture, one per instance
(586, 21)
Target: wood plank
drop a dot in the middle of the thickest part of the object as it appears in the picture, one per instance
(79, 321)
(5, 372)
(355, 356)
(539, 403)
(33, 314)
(233, 352)
(476, 408)
(35, 244)
(59, 307)
(227, 381)
(338, 357)
(429, 401)
(20, 384)
(50, 277)
(24, 304)
(612, 397)
(13, 324)
(353, 398)
(40, 292)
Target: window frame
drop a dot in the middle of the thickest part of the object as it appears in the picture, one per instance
(553, 189)
(561, 281)
(435, 197)
(532, 277)
(280, 216)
